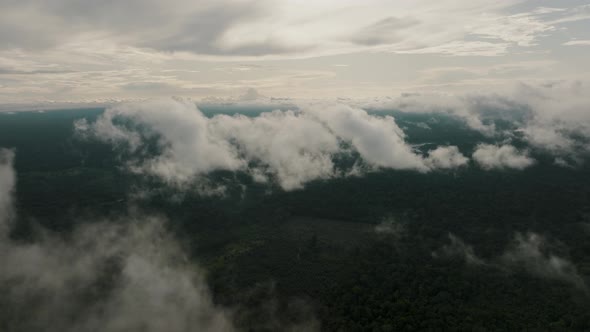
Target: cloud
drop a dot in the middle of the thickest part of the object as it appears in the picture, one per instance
(446, 157)
(385, 31)
(463, 48)
(182, 133)
(293, 147)
(124, 275)
(7, 184)
(528, 252)
(559, 115)
(458, 248)
(577, 43)
(114, 275)
(390, 226)
(490, 157)
(261, 28)
(550, 115)
(465, 107)
(378, 140)
(83, 50)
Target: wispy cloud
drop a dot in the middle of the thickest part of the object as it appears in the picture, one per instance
(127, 274)
(577, 43)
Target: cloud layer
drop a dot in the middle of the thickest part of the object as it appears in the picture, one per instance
(293, 147)
(84, 51)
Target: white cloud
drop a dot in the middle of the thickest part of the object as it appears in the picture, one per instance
(446, 157)
(465, 107)
(490, 156)
(188, 145)
(378, 140)
(550, 115)
(294, 147)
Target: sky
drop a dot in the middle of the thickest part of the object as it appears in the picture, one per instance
(100, 51)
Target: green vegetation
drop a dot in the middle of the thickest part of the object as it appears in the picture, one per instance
(318, 251)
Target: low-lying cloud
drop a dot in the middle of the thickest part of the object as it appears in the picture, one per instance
(293, 147)
(116, 275)
(528, 253)
(552, 117)
(490, 156)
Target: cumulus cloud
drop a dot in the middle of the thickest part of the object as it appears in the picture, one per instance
(490, 156)
(118, 275)
(183, 135)
(294, 147)
(446, 157)
(378, 140)
(552, 116)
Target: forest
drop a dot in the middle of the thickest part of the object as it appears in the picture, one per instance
(465, 249)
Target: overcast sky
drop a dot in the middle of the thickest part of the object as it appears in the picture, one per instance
(86, 50)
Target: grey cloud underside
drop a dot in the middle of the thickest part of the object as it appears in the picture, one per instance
(180, 26)
(291, 147)
(202, 32)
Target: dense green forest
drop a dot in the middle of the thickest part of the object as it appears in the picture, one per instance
(389, 250)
